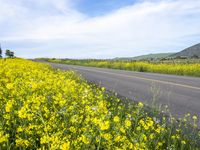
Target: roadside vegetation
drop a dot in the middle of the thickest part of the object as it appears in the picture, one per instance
(185, 67)
(43, 108)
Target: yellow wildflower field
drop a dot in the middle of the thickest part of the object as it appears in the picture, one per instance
(43, 108)
(186, 68)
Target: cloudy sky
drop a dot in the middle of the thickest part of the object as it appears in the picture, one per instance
(98, 28)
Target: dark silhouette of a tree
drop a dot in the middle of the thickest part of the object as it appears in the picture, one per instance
(9, 54)
(195, 56)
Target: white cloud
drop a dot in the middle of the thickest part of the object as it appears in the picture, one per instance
(59, 30)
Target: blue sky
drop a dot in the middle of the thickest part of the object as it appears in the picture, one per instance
(98, 28)
(101, 7)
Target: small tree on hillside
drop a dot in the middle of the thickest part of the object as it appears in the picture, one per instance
(195, 56)
(7, 53)
(11, 54)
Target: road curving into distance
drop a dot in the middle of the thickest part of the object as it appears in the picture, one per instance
(180, 93)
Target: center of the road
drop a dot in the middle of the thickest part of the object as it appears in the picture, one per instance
(147, 79)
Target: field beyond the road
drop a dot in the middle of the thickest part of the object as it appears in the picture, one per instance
(44, 108)
(177, 67)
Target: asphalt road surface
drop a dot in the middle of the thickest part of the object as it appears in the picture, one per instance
(181, 94)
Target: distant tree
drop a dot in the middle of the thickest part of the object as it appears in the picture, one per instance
(9, 54)
(181, 57)
(178, 57)
(195, 57)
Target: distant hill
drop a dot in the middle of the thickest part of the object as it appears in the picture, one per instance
(192, 51)
(146, 57)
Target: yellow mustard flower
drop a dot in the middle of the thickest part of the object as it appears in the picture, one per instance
(127, 123)
(116, 119)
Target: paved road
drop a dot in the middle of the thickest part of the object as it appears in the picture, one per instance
(181, 94)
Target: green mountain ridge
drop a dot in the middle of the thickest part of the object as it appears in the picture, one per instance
(190, 52)
(146, 57)
(193, 51)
